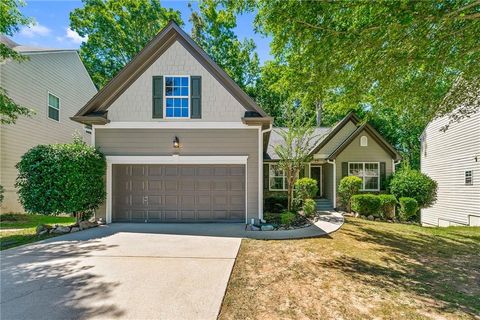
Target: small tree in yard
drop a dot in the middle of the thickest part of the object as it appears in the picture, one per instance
(62, 178)
(294, 152)
(408, 182)
(349, 186)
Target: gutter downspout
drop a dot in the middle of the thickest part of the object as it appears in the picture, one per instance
(394, 163)
(260, 169)
(334, 200)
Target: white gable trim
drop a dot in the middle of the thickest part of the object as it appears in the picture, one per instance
(177, 124)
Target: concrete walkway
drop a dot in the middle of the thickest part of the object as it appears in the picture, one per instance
(130, 271)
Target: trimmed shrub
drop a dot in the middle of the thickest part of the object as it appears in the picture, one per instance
(309, 207)
(348, 187)
(275, 204)
(287, 218)
(408, 209)
(366, 204)
(61, 178)
(271, 217)
(387, 205)
(414, 184)
(306, 188)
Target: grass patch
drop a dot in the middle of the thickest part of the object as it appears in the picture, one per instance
(24, 226)
(366, 270)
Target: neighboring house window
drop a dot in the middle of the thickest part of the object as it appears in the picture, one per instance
(369, 172)
(277, 178)
(469, 177)
(88, 128)
(53, 107)
(364, 141)
(176, 97)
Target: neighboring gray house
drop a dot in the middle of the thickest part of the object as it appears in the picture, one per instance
(184, 143)
(452, 158)
(55, 84)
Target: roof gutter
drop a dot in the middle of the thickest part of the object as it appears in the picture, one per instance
(260, 169)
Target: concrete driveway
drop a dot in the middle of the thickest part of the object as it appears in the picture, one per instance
(122, 271)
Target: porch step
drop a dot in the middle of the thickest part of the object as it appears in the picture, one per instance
(324, 204)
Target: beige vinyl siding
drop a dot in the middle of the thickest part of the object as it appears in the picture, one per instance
(193, 142)
(336, 140)
(448, 155)
(28, 84)
(135, 104)
(327, 171)
(355, 153)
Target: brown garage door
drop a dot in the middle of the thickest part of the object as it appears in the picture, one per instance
(178, 193)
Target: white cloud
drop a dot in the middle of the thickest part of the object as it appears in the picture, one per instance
(74, 37)
(35, 30)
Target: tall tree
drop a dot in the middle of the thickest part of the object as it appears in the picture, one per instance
(10, 22)
(214, 30)
(116, 30)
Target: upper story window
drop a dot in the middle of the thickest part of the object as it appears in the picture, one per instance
(469, 177)
(53, 107)
(369, 172)
(363, 141)
(177, 94)
(277, 178)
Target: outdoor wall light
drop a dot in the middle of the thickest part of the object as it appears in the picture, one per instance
(176, 142)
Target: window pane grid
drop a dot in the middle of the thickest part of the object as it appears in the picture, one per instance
(368, 172)
(278, 180)
(177, 95)
(469, 177)
(53, 107)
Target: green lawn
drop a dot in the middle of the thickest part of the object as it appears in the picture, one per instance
(17, 229)
(366, 270)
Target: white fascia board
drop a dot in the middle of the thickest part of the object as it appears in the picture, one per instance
(175, 125)
(177, 159)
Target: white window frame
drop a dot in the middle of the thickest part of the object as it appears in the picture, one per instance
(465, 177)
(363, 176)
(49, 106)
(165, 95)
(270, 181)
(363, 141)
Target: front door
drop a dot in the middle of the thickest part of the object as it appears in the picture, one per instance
(316, 173)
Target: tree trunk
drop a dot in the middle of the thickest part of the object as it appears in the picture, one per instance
(78, 216)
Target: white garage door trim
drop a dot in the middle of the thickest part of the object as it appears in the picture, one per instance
(175, 159)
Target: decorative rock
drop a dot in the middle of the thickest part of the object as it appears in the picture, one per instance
(75, 229)
(370, 217)
(61, 229)
(100, 221)
(40, 229)
(86, 225)
(267, 227)
(254, 228)
(41, 233)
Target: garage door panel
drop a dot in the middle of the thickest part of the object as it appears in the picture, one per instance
(178, 193)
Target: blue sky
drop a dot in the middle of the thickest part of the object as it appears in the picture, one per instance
(52, 21)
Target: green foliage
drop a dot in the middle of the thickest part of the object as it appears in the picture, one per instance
(387, 203)
(214, 30)
(287, 218)
(349, 186)
(309, 207)
(10, 22)
(294, 151)
(366, 204)
(408, 209)
(271, 217)
(61, 178)
(275, 204)
(306, 188)
(414, 184)
(117, 30)
(2, 190)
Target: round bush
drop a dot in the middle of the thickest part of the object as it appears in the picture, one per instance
(61, 178)
(287, 218)
(348, 187)
(366, 204)
(309, 207)
(408, 209)
(306, 188)
(387, 205)
(414, 184)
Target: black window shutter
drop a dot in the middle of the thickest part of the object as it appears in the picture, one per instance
(266, 176)
(196, 97)
(157, 95)
(344, 169)
(383, 176)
